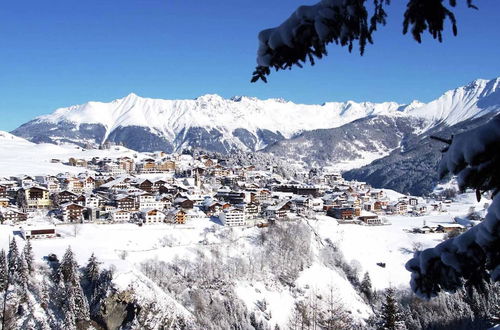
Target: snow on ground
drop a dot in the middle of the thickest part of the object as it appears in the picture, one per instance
(125, 246)
(21, 157)
(390, 244)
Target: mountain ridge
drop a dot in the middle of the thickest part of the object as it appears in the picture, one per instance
(247, 124)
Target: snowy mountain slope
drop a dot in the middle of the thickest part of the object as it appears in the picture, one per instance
(19, 156)
(413, 167)
(352, 145)
(474, 100)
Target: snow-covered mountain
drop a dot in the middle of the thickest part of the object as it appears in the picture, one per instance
(474, 100)
(241, 123)
(209, 122)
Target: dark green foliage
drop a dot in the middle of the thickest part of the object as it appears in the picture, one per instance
(3, 271)
(28, 256)
(12, 258)
(392, 317)
(366, 287)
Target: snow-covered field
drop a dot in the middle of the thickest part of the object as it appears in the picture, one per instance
(21, 157)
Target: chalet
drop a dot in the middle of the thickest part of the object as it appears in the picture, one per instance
(89, 184)
(262, 195)
(166, 166)
(27, 182)
(380, 205)
(127, 164)
(446, 228)
(213, 207)
(153, 216)
(12, 214)
(177, 216)
(33, 232)
(370, 218)
(420, 209)
(148, 166)
(93, 201)
(148, 201)
(120, 216)
(400, 207)
(126, 203)
(66, 197)
(232, 217)
(184, 203)
(412, 201)
(35, 198)
(53, 185)
(146, 185)
(72, 212)
(377, 194)
(252, 210)
(342, 213)
(279, 211)
(74, 185)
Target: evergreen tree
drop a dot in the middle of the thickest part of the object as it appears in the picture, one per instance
(92, 271)
(74, 301)
(4, 276)
(28, 255)
(22, 277)
(366, 287)
(67, 270)
(69, 308)
(392, 318)
(12, 257)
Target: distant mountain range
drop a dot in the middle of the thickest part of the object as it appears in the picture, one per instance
(349, 133)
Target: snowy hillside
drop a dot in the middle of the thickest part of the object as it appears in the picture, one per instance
(22, 157)
(474, 100)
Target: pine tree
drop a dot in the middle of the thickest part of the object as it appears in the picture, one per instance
(4, 276)
(392, 318)
(28, 255)
(22, 277)
(74, 300)
(69, 308)
(92, 271)
(67, 270)
(12, 257)
(366, 287)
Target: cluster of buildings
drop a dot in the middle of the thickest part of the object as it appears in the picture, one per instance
(178, 189)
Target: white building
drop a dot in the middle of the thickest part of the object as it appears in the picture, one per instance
(120, 216)
(39, 231)
(148, 201)
(153, 216)
(232, 217)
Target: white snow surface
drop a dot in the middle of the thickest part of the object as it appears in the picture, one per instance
(22, 157)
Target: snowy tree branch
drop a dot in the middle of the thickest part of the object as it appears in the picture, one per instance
(305, 34)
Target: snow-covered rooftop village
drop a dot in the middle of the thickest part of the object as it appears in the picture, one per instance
(138, 215)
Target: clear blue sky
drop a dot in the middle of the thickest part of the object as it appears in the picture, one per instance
(63, 52)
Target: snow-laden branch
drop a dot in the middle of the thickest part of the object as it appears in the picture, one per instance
(475, 255)
(305, 34)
